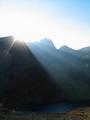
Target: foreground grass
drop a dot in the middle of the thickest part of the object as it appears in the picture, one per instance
(78, 114)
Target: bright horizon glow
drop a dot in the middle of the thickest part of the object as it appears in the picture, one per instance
(27, 23)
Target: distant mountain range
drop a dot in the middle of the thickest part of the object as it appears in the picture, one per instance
(38, 73)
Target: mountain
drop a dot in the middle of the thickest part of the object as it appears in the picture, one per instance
(39, 74)
(67, 67)
(86, 49)
(46, 43)
(23, 80)
(66, 48)
(85, 52)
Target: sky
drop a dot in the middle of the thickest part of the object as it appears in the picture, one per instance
(65, 22)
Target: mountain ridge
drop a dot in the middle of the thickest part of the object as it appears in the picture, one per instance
(35, 74)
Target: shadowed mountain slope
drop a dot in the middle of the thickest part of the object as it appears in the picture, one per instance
(23, 80)
(41, 74)
(68, 68)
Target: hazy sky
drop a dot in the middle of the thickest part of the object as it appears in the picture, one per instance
(64, 21)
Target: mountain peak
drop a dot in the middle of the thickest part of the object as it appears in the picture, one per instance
(65, 48)
(47, 43)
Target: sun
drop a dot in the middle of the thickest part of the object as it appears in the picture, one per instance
(21, 38)
(30, 25)
(22, 34)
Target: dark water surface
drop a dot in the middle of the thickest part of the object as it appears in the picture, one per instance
(61, 107)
